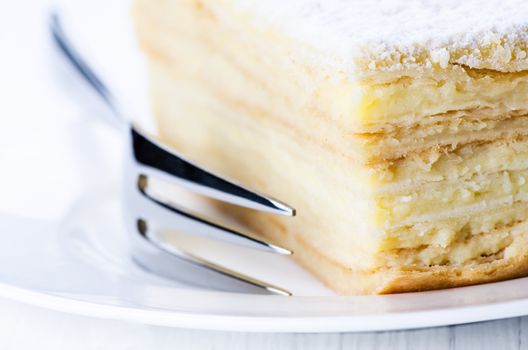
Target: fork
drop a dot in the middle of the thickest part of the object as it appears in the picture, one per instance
(149, 159)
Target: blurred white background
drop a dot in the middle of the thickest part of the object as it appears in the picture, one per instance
(52, 144)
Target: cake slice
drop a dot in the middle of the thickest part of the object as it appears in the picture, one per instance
(397, 129)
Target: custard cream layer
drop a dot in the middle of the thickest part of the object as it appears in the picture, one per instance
(221, 135)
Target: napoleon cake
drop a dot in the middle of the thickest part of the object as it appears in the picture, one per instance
(397, 129)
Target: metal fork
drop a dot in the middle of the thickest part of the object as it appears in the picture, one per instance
(143, 209)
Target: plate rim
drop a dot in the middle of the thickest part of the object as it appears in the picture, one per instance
(242, 323)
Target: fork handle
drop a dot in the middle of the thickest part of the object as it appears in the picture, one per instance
(87, 71)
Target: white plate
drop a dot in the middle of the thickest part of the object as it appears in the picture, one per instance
(81, 263)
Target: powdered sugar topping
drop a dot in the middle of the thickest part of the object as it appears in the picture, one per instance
(385, 35)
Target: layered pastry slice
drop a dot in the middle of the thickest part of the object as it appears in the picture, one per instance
(397, 129)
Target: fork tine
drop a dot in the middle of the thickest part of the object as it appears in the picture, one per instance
(168, 260)
(167, 164)
(162, 211)
(172, 262)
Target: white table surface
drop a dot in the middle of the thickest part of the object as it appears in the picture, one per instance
(32, 106)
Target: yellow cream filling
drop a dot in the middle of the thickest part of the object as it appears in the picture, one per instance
(408, 99)
(444, 198)
(441, 165)
(443, 233)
